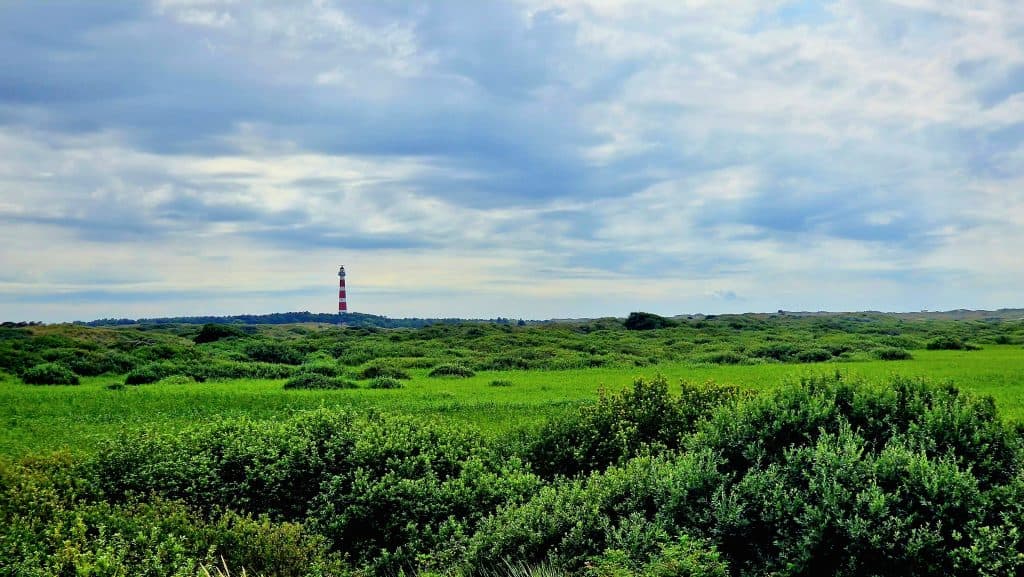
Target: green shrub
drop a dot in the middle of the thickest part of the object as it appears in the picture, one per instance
(686, 557)
(644, 418)
(177, 380)
(273, 352)
(948, 343)
(304, 380)
(722, 358)
(501, 383)
(215, 332)
(641, 321)
(451, 370)
(325, 368)
(383, 370)
(385, 383)
(892, 354)
(813, 356)
(49, 374)
(152, 373)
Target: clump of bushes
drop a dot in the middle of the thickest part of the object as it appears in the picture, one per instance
(49, 374)
(383, 370)
(723, 358)
(892, 354)
(273, 352)
(177, 380)
(948, 343)
(451, 370)
(501, 383)
(214, 332)
(813, 356)
(304, 380)
(641, 321)
(385, 383)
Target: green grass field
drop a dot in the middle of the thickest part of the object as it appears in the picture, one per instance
(47, 418)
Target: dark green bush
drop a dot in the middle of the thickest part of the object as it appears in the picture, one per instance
(451, 370)
(45, 530)
(49, 374)
(383, 370)
(644, 418)
(641, 321)
(686, 557)
(385, 383)
(722, 358)
(892, 354)
(813, 356)
(303, 380)
(327, 369)
(273, 352)
(215, 332)
(949, 343)
(635, 508)
(501, 383)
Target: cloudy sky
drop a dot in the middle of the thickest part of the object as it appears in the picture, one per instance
(536, 159)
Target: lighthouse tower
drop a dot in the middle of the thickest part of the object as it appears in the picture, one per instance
(342, 304)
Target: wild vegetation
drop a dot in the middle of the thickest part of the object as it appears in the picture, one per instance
(322, 467)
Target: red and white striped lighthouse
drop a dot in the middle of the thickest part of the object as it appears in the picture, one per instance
(342, 304)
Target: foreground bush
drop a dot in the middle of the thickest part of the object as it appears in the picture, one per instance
(49, 374)
(823, 477)
(644, 418)
(390, 493)
(46, 530)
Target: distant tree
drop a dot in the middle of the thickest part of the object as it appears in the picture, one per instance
(640, 321)
(215, 332)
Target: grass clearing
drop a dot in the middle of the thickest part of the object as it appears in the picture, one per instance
(75, 418)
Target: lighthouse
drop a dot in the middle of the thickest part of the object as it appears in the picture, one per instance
(342, 304)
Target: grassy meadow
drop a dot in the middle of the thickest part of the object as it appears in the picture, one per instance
(75, 418)
(734, 446)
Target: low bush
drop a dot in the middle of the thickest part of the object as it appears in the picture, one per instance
(385, 383)
(177, 380)
(49, 374)
(326, 368)
(304, 380)
(273, 352)
(722, 358)
(215, 332)
(891, 354)
(501, 383)
(813, 356)
(643, 419)
(451, 370)
(948, 343)
(382, 370)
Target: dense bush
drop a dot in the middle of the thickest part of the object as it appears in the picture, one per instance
(949, 343)
(215, 332)
(641, 321)
(390, 493)
(383, 370)
(307, 380)
(45, 529)
(892, 354)
(385, 383)
(49, 374)
(451, 370)
(644, 418)
(273, 352)
(814, 356)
